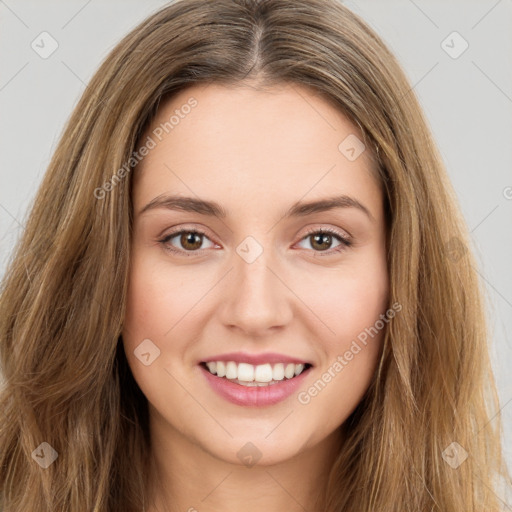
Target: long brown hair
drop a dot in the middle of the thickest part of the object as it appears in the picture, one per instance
(66, 379)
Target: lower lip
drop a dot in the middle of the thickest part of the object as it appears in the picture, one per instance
(254, 396)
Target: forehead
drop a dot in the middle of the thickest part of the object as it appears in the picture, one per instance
(252, 142)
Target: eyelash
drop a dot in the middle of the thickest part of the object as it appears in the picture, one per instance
(344, 241)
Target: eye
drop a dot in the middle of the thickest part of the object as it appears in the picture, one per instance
(321, 238)
(189, 239)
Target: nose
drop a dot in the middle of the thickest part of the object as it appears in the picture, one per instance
(257, 298)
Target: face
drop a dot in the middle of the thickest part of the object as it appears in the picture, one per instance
(238, 263)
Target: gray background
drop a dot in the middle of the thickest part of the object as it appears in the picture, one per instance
(467, 100)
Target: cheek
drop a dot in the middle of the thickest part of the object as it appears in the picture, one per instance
(352, 302)
(349, 358)
(350, 299)
(150, 310)
(155, 311)
(159, 297)
(163, 304)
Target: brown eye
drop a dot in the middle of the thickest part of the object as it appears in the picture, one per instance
(191, 240)
(321, 241)
(188, 241)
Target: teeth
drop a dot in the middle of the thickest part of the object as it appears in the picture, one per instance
(221, 369)
(278, 371)
(263, 373)
(298, 369)
(244, 372)
(250, 375)
(289, 371)
(231, 370)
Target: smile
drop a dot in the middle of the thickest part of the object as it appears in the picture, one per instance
(247, 374)
(251, 385)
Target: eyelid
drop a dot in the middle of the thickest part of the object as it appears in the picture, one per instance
(329, 230)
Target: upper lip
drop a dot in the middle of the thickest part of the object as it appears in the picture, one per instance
(255, 359)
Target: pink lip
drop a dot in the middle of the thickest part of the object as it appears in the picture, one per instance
(255, 359)
(253, 396)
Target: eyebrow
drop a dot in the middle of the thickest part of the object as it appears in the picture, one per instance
(211, 208)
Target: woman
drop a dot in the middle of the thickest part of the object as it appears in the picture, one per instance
(245, 282)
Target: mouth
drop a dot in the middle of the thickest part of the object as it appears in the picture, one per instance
(261, 375)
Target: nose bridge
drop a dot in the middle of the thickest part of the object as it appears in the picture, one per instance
(257, 298)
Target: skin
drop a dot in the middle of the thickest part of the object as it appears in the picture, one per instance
(255, 152)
